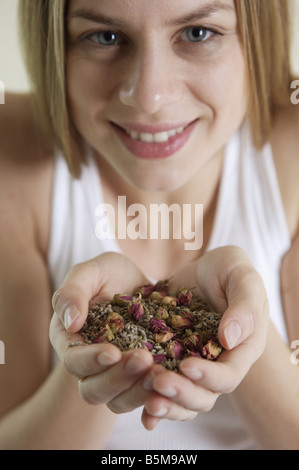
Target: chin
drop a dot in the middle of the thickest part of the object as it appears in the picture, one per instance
(159, 182)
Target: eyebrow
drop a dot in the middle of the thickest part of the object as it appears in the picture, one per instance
(202, 12)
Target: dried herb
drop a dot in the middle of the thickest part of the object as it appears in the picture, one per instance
(170, 327)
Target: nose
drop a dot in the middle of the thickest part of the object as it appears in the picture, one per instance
(150, 81)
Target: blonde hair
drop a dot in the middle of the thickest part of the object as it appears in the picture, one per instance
(264, 30)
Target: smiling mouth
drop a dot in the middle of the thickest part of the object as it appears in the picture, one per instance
(154, 142)
(158, 137)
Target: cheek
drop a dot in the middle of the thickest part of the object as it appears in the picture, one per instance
(88, 89)
(221, 86)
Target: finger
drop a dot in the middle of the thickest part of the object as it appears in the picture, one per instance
(160, 407)
(79, 358)
(183, 392)
(103, 388)
(247, 311)
(100, 277)
(223, 375)
(137, 394)
(129, 399)
(232, 286)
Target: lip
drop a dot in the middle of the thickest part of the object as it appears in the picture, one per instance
(154, 150)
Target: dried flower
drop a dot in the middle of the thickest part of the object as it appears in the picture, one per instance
(193, 342)
(194, 353)
(156, 296)
(211, 350)
(136, 311)
(159, 358)
(162, 313)
(183, 320)
(105, 334)
(115, 322)
(184, 296)
(162, 287)
(170, 327)
(146, 290)
(122, 299)
(158, 326)
(176, 350)
(164, 337)
(149, 346)
(169, 300)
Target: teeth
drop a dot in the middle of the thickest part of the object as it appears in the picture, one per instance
(159, 137)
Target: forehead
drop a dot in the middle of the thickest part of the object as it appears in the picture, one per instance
(162, 12)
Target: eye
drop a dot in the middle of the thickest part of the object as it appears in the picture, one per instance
(198, 34)
(105, 38)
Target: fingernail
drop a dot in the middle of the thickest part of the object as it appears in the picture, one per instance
(160, 413)
(193, 374)
(168, 392)
(105, 359)
(70, 315)
(232, 334)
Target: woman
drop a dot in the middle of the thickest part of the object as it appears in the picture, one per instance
(177, 103)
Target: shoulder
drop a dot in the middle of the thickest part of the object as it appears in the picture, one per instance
(285, 146)
(25, 166)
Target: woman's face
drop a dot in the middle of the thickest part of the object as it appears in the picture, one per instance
(155, 87)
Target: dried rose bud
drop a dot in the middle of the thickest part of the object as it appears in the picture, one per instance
(169, 300)
(162, 313)
(159, 358)
(207, 335)
(193, 342)
(162, 287)
(184, 296)
(136, 311)
(149, 346)
(175, 350)
(211, 350)
(182, 321)
(122, 299)
(115, 322)
(158, 326)
(146, 290)
(164, 337)
(156, 296)
(194, 353)
(105, 334)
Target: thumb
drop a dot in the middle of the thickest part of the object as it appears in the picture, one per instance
(97, 279)
(247, 311)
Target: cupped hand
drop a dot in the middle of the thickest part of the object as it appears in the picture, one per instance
(104, 373)
(226, 279)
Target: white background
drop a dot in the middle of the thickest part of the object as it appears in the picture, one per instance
(12, 71)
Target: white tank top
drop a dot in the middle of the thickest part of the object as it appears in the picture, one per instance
(249, 214)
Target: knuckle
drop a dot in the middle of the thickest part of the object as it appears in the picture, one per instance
(113, 384)
(88, 397)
